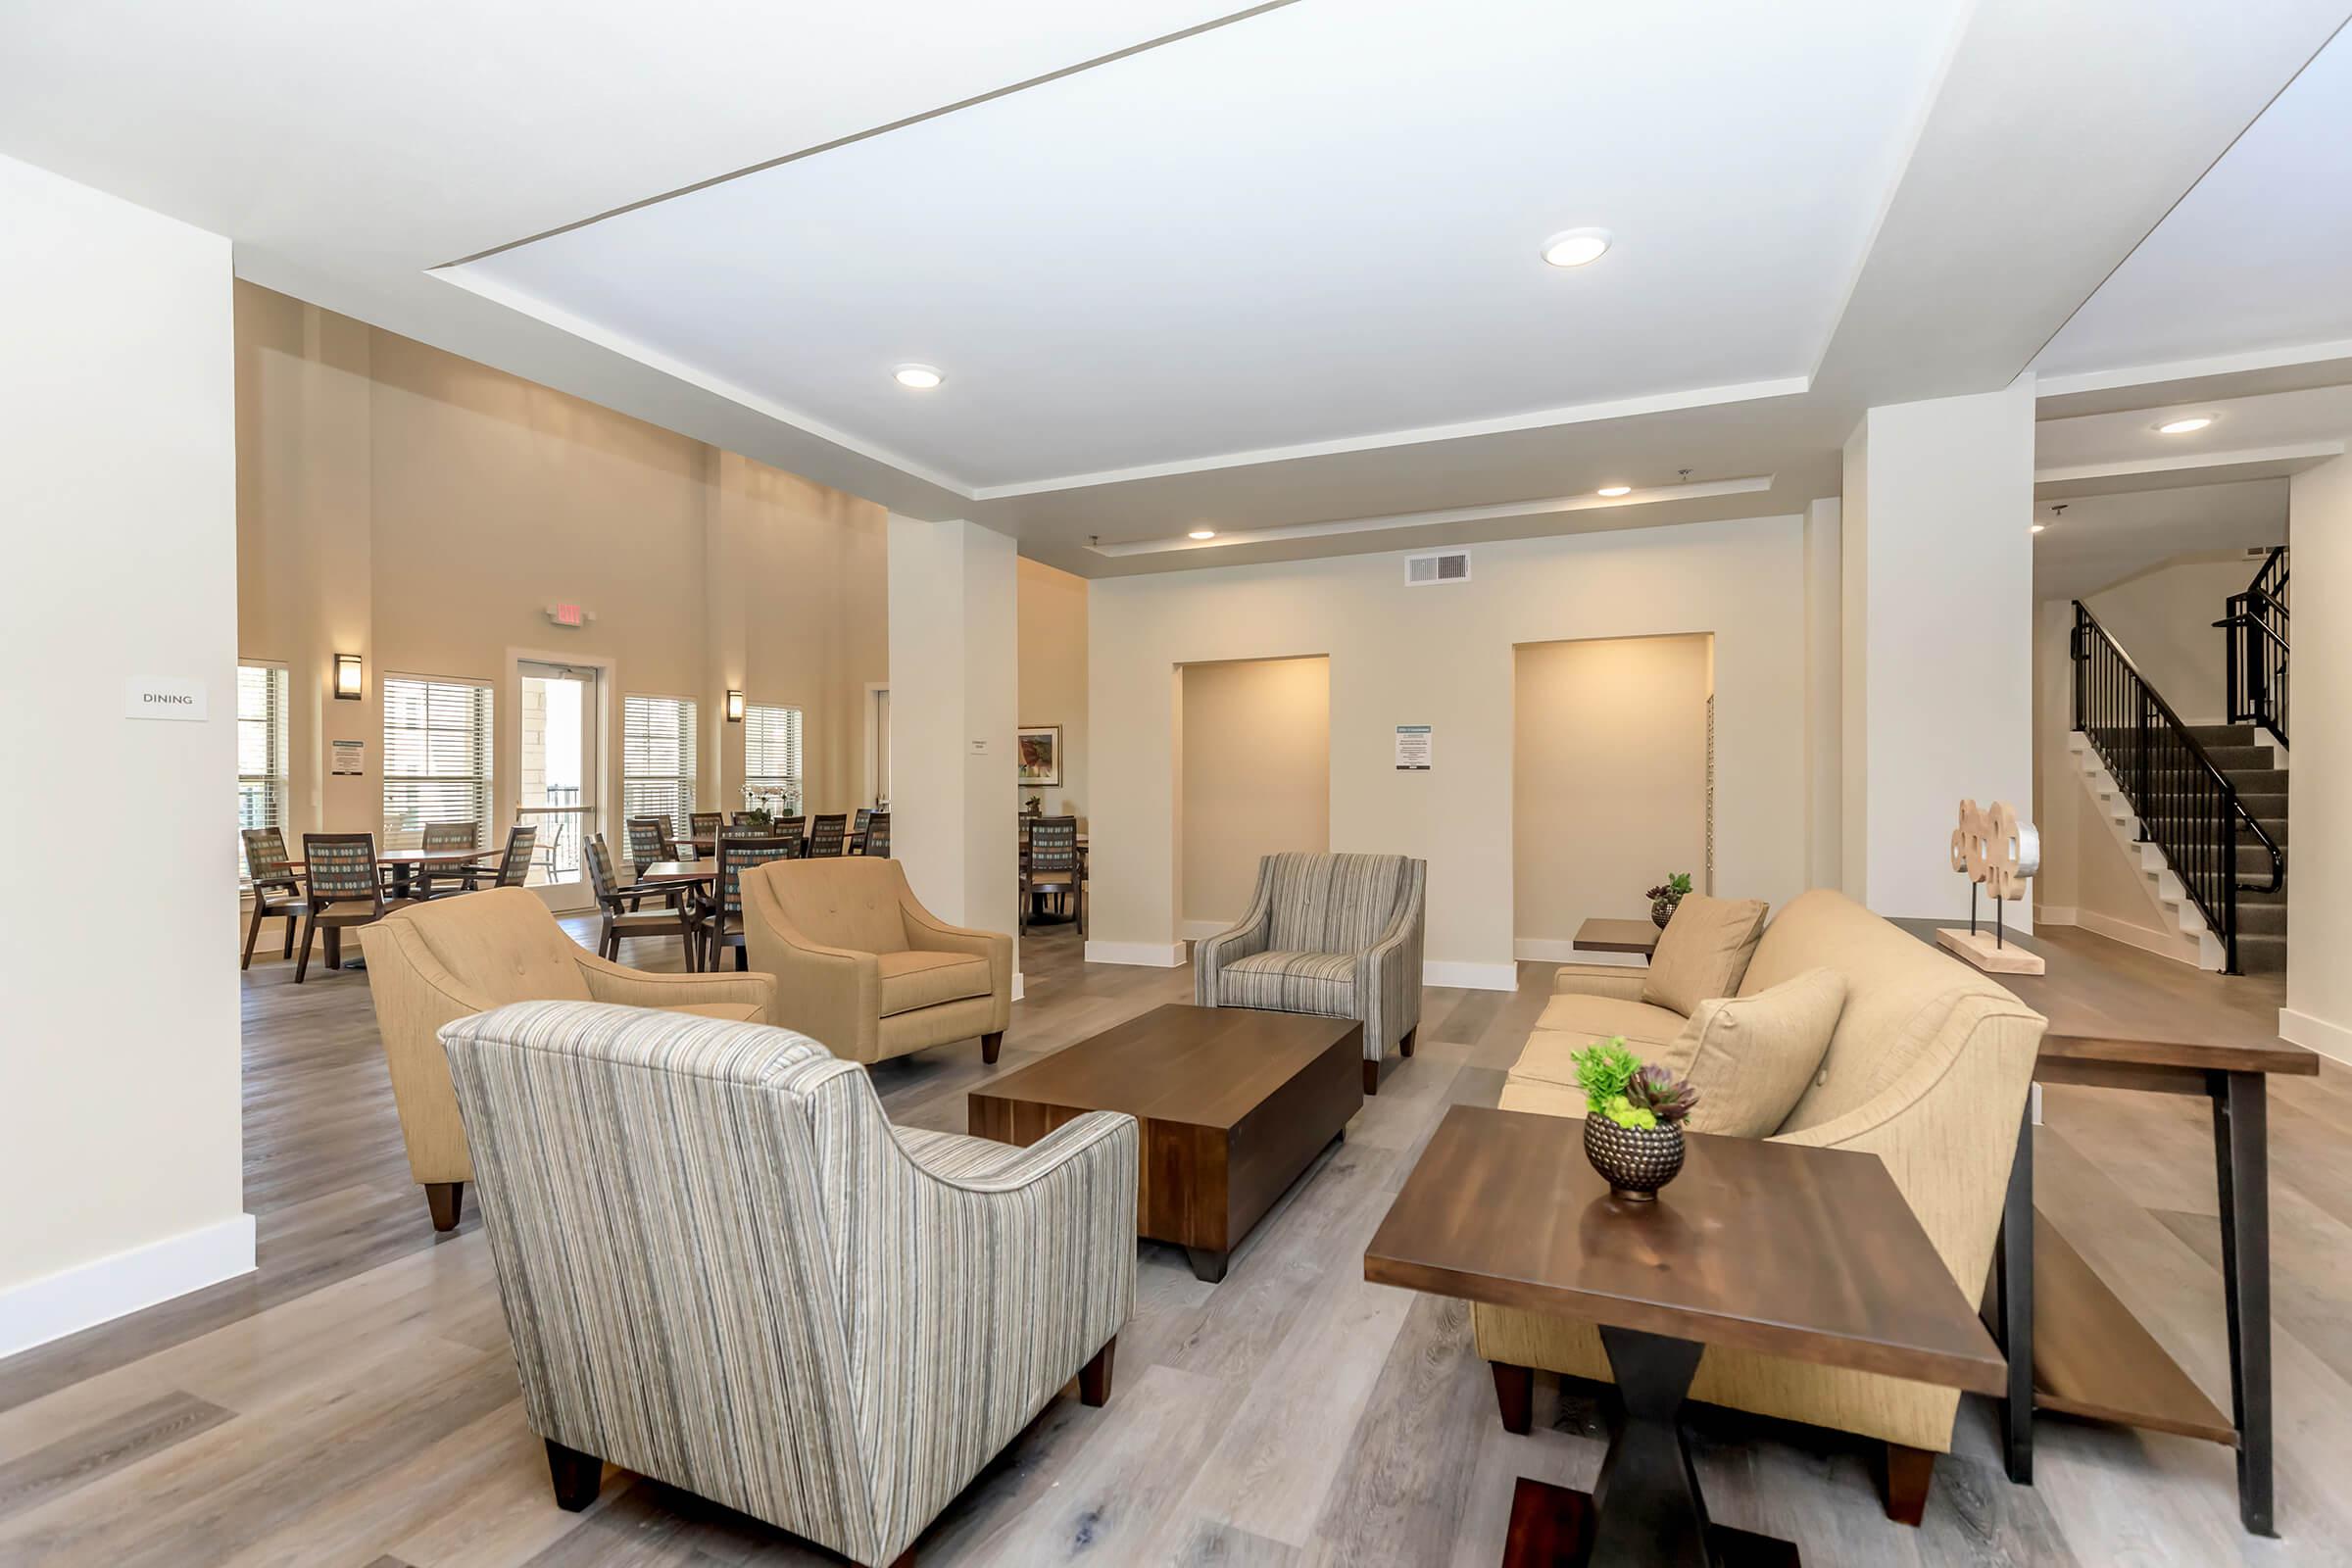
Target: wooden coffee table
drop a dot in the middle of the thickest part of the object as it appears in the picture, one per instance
(1808, 1254)
(1235, 1105)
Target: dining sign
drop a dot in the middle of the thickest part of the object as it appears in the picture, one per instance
(150, 697)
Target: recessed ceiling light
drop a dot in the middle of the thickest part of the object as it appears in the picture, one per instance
(2038, 527)
(1614, 490)
(1201, 533)
(1575, 247)
(922, 377)
(2182, 426)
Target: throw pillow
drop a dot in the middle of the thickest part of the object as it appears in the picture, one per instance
(1703, 952)
(1752, 1058)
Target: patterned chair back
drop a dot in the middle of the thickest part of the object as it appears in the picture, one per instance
(877, 836)
(341, 868)
(705, 824)
(858, 823)
(736, 854)
(645, 841)
(450, 835)
(1053, 849)
(827, 834)
(1334, 902)
(514, 865)
(265, 860)
(601, 876)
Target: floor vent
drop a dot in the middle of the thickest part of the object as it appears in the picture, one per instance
(1451, 565)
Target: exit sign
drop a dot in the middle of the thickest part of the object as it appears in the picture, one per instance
(567, 616)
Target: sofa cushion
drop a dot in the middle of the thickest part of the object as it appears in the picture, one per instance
(1703, 952)
(1648, 1030)
(912, 980)
(1752, 1058)
(732, 1011)
(1321, 983)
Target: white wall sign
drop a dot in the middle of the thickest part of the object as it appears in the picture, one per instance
(1413, 748)
(979, 746)
(350, 759)
(155, 697)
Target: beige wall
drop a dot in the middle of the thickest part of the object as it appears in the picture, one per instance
(1443, 655)
(422, 510)
(1608, 781)
(2164, 617)
(1257, 757)
(1052, 674)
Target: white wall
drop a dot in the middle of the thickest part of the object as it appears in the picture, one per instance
(1443, 655)
(1938, 637)
(1825, 673)
(2318, 882)
(2163, 617)
(120, 1124)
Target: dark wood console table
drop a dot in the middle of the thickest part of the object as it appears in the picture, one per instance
(2124, 1019)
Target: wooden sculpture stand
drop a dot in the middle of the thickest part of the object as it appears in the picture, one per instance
(1987, 846)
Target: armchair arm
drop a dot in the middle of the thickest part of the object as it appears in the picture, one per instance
(1387, 975)
(414, 997)
(1248, 936)
(1618, 982)
(635, 988)
(928, 933)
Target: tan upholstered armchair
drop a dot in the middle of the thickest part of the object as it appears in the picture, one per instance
(431, 963)
(864, 970)
(859, 1316)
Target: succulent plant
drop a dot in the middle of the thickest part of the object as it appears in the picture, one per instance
(1618, 1086)
(1660, 1092)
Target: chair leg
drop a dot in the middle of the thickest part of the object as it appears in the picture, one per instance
(253, 932)
(1371, 1077)
(990, 1044)
(292, 920)
(310, 929)
(1094, 1378)
(576, 1476)
(447, 1200)
(1515, 1393)
(742, 958)
(1405, 1046)
(1909, 1473)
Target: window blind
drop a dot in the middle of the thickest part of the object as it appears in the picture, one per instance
(657, 759)
(771, 757)
(262, 751)
(437, 741)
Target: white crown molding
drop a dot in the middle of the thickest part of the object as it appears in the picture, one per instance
(2189, 462)
(2058, 386)
(104, 1289)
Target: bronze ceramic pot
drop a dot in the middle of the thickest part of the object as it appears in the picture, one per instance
(1635, 1161)
(1662, 908)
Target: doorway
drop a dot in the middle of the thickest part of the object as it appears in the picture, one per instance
(561, 706)
(1254, 740)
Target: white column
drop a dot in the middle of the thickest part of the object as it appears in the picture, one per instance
(1824, 671)
(2318, 782)
(953, 680)
(1937, 642)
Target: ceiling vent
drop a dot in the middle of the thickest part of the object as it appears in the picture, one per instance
(1451, 565)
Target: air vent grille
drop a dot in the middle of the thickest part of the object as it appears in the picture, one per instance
(1423, 572)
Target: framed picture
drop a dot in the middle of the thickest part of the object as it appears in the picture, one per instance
(1039, 749)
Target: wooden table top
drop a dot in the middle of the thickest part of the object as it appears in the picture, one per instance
(2108, 1003)
(1618, 936)
(677, 871)
(417, 858)
(1202, 1066)
(1810, 1253)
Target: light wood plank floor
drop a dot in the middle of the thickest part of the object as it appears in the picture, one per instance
(354, 1401)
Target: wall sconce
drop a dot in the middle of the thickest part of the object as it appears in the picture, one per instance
(350, 682)
(734, 706)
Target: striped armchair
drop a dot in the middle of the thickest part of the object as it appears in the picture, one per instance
(1335, 935)
(724, 1268)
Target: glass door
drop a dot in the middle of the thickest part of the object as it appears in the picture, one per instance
(559, 750)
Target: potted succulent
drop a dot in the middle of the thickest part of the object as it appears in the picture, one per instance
(1634, 1118)
(1666, 895)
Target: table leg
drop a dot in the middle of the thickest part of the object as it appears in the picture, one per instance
(2242, 1164)
(2013, 1304)
(1209, 1263)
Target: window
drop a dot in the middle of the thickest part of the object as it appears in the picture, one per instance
(771, 758)
(436, 757)
(656, 761)
(261, 751)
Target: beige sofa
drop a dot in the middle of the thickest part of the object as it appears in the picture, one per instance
(431, 964)
(1929, 1069)
(866, 971)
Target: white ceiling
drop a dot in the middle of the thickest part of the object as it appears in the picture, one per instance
(1217, 248)
(2257, 256)
(2097, 541)
(1224, 242)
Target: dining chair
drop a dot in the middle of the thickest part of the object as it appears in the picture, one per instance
(624, 912)
(645, 841)
(513, 868)
(827, 834)
(344, 893)
(876, 842)
(1052, 866)
(723, 916)
(857, 826)
(445, 835)
(277, 890)
(705, 824)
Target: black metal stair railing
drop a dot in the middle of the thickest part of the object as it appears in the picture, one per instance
(2186, 803)
(2254, 635)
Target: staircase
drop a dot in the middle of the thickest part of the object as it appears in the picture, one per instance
(2251, 766)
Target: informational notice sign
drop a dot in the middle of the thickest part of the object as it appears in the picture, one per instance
(1413, 748)
(350, 759)
(160, 697)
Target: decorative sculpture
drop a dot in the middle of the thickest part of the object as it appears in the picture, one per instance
(1998, 854)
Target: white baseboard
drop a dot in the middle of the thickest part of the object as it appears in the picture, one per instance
(71, 1300)
(1019, 990)
(1199, 930)
(1470, 976)
(2330, 1040)
(1558, 950)
(2056, 915)
(1149, 955)
(2133, 936)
